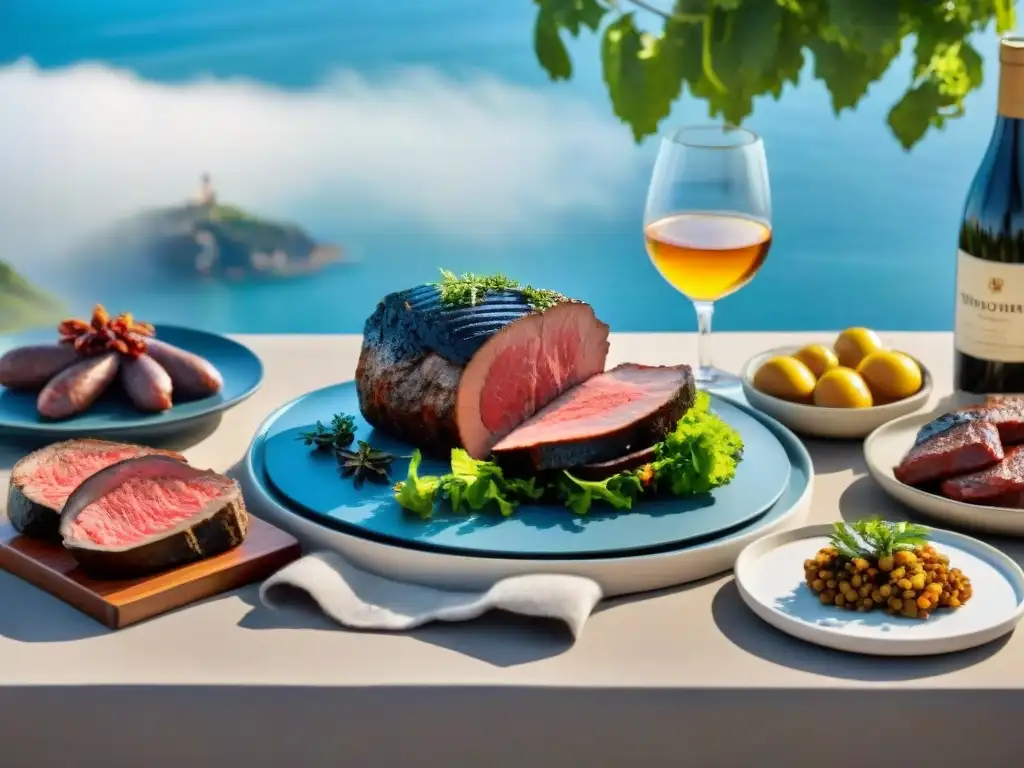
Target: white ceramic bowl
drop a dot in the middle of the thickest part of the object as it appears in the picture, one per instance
(815, 421)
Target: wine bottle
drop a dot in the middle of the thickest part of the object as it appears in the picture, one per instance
(989, 324)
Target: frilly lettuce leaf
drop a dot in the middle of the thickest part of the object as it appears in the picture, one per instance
(699, 455)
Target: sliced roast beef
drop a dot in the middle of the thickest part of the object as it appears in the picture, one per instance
(1004, 411)
(42, 481)
(149, 514)
(1004, 479)
(1007, 414)
(441, 376)
(602, 470)
(629, 407)
(964, 448)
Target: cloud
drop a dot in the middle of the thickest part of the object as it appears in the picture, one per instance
(478, 159)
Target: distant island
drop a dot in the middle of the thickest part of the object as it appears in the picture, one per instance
(23, 305)
(208, 238)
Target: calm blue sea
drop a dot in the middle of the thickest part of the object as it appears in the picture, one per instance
(420, 135)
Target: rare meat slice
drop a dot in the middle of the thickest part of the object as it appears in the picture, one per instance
(441, 376)
(42, 481)
(149, 514)
(963, 448)
(627, 408)
(1000, 480)
(1007, 413)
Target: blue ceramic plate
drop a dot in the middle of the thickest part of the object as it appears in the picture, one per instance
(310, 482)
(112, 416)
(796, 493)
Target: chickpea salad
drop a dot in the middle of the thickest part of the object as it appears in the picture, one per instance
(875, 564)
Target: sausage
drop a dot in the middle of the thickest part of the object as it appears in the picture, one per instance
(146, 383)
(76, 388)
(29, 368)
(193, 376)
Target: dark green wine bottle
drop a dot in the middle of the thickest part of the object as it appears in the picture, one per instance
(989, 325)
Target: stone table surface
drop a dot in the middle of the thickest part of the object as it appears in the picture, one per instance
(686, 676)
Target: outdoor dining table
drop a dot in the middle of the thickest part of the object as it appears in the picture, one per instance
(683, 677)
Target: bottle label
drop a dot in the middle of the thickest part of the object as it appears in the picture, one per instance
(989, 321)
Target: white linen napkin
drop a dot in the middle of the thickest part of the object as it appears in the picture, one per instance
(362, 600)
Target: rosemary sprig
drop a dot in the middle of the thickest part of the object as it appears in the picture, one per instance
(366, 463)
(468, 289)
(876, 538)
(339, 434)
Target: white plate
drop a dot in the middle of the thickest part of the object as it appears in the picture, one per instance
(815, 421)
(770, 578)
(884, 449)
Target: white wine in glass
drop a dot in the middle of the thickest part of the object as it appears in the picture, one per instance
(707, 223)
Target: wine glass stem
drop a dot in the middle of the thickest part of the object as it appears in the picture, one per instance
(705, 309)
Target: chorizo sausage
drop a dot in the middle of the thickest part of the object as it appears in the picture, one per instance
(77, 387)
(146, 383)
(29, 368)
(193, 376)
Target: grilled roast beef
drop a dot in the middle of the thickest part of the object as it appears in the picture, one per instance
(440, 377)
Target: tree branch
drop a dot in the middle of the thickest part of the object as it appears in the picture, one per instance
(667, 15)
(650, 8)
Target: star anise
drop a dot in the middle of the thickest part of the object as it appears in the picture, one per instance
(104, 334)
(367, 463)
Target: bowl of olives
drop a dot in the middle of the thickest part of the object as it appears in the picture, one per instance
(843, 390)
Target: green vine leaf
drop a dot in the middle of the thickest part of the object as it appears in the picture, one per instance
(551, 51)
(641, 76)
(869, 26)
(552, 17)
(729, 53)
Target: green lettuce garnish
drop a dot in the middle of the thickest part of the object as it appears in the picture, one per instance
(618, 490)
(471, 484)
(699, 455)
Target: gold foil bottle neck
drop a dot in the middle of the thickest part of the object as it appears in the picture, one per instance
(1011, 77)
(1011, 50)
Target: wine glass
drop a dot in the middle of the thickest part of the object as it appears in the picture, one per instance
(707, 223)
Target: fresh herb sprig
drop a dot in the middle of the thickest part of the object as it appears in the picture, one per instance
(366, 463)
(701, 454)
(873, 539)
(339, 434)
(468, 289)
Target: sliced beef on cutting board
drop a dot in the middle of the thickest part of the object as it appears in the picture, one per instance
(609, 415)
(964, 448)
(441, 377)
(149, 514)
(998, 484)
(42, 481)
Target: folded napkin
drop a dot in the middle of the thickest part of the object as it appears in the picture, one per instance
(361, 600)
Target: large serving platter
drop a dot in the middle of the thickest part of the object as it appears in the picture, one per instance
(112, 415)
(884, 449)
(309, 480)
(625, 573)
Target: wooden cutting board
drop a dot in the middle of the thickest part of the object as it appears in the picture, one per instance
(122, 603)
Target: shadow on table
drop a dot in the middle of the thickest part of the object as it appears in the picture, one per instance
(747, 632)
(498, 638)
(831, 456)
(30, 615)
(865, 498)
(193, 433)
